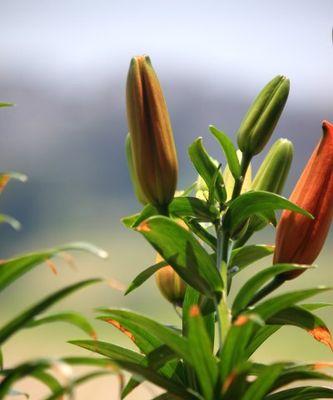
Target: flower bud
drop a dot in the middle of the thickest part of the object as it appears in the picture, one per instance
(300, 239)
(154, 152)
(262, 116)
(171, 285)
(274, 170)
(136, 186)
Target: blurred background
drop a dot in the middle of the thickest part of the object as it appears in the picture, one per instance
(64, 65)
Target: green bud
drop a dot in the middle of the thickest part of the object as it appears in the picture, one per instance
(136, 186)
(153, 148)
(262, 116)
(274, 170)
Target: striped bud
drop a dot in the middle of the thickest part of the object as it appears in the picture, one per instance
(300, 239)
(262, 116)
(154, 152)
(136, 186)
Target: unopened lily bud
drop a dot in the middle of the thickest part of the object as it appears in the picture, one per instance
(262, 116)
(136, 186)
(274, 170)
(171, 285)
(154, 152)
(300, 239)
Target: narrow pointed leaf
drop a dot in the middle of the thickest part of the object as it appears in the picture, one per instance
(229, 151)
(184, 253)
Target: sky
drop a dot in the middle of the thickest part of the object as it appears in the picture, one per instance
(80, 41)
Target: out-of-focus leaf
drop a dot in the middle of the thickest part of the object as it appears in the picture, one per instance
(129, 220)
(184, 253)
(300, 373)
(2, 104)
(275, 304)
(235, 347)
(247, 255)
(265, 380)
(204, 362)
(76, 382)
(206, 168)
(302, 393)
(144, 275)
(71, 317)
(229, 151)
(256, 202)
(192, 207)
(165, 335)
(13, 268)
(7, 219)
(251, 287)
(27, 315)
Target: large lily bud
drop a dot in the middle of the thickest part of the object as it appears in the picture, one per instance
(136, 185)
(300, 239)
(171, 285)
(154, 152)
(262, 116)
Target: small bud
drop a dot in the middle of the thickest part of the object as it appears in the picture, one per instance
(171, 285)
(136, 186)
(154, 152)
(274, 170)
(300, 239)
(262, 116)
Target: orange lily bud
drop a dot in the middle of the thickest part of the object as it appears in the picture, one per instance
(154, 152)
(299, 239)
(171, 285)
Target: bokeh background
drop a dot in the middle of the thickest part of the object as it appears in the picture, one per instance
(64, 64)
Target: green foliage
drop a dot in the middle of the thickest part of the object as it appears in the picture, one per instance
(202, 234)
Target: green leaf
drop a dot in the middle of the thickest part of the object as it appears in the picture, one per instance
(157, 379)
(235, 347)
(300, 373)
(184, 253)
(76, 382)
(26, 316)
(204, 362)
(263, 383)
(144, 275)
(275, 304)
(251, 287)
(229, 151)
(129, 220)
(212, 185)
(71, 317)
(7, 219)
(12, 269)
(193, 207)
(256, 202)
(302, 393)
(148, 211)
(47, 379)
(112, 351)
(206, 168)
(246, 255)
(153, 328)
(201, 232)
(261, 335)
(2, 104)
